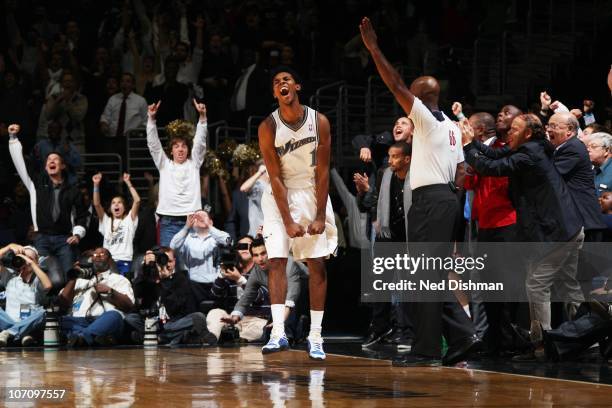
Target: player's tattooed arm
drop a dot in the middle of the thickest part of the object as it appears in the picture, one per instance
(321, 175)
(272, 162)
(387, 72)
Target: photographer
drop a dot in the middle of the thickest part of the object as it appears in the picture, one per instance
(162, 291)
(26, 285)
(235, 267)
(98, 299)
(196, 246)
(252, 311)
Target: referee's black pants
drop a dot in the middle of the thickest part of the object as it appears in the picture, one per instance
(431, 218)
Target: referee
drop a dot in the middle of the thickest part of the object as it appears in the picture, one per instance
(436, 169)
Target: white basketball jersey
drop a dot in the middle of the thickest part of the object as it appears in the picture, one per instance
(297, 149)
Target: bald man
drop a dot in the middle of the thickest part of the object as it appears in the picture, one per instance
(434, 175)
(483, 124)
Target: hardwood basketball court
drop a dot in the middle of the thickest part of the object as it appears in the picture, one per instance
(243, 377)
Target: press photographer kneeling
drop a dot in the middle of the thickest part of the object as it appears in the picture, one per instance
(164, 293)
(26, 285)
(96, 299)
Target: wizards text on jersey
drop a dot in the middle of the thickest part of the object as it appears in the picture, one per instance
(293, 145)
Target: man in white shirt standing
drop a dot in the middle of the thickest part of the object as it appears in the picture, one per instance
(97, 303)
(179, 175)
(124, 111)
(435, 171)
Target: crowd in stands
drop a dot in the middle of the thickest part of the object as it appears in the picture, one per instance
(77, 83)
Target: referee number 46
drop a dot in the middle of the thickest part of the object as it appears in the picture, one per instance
(451, 138)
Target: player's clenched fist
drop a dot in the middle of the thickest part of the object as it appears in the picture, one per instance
(295, 230)
(316, 227)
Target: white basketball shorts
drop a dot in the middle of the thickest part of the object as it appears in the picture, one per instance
(303, 208)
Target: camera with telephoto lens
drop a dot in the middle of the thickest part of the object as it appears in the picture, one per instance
(84, 270)
(12, 260)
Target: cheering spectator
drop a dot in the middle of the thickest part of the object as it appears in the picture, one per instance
(179, 176)
(254, 187)
(545, 213)
(54, 143)
(53, 200)
(26, 284)
(118, 229)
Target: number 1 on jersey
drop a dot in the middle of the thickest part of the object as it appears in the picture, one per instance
(314, 157)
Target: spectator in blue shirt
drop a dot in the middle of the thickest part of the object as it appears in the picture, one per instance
(196, 246)
(599, 146)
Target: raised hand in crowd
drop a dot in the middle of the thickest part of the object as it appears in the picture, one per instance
(576, 112)
(457, 109)
(467, 132)
(96, 178)
(365, 154)
(545, 101)
(587, 106)
(362, 183)
(152, 110)
(201, 108)
(555, 105)
(13, 129)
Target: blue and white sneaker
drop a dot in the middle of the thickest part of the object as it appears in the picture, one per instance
(276, 343)
(315, 347)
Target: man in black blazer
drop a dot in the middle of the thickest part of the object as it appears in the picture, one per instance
(545, 213)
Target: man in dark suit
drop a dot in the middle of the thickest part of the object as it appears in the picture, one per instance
(571, 160)
(545, 213)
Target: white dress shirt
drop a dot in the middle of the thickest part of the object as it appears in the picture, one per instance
(135, 112)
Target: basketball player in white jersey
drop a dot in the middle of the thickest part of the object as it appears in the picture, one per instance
(295, 143)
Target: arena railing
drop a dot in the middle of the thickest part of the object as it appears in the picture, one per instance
(252, 126)
(109, 164)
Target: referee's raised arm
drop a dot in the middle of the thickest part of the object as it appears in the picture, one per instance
(388, 73)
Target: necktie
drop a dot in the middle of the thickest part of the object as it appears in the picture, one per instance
(121, 122)
(55, 210)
